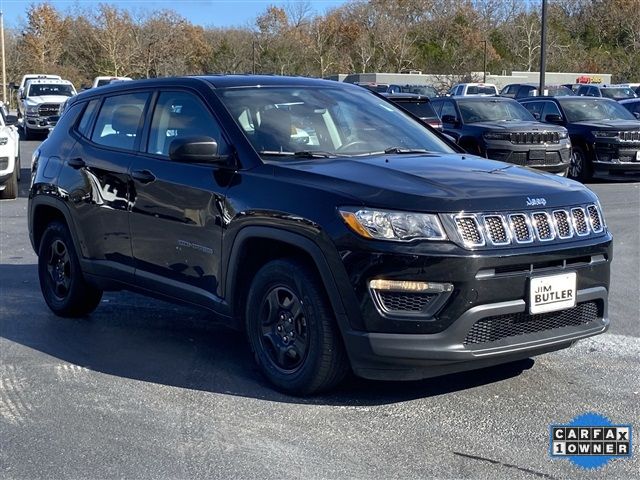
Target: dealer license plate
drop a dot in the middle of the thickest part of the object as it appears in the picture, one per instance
(551, 293)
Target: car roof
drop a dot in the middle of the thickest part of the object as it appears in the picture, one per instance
(567, 98)
(39, 81)
(630, 100)
(405, 96)
(476, 98)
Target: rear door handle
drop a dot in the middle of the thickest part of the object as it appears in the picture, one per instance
(143, 176)
(76, 163)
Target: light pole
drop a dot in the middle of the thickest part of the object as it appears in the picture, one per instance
(543, 47)
(4, 65)
(484, 68)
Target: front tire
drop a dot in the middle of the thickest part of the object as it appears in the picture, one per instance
(63, 286)
(579, 168)
(292, 330)
(11, 187)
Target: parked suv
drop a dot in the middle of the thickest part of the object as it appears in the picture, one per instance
(9, 156)
(41, 102)
(334, 228)
(615, 93)
(501, 129)
(605, 136)
(521, 90)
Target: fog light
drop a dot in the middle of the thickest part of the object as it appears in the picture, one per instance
(410, 286)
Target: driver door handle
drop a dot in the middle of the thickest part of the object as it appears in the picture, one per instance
(143, 176)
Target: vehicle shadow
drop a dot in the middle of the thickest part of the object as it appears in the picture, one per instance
(25, 181)
(134, 337)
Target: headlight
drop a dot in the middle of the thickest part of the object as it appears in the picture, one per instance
(563, 135)
(604, 134)
(395, 226)
(4, 140)
(497, 136)
(32, 109)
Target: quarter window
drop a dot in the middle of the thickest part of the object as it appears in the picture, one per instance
(119, 120)
(87, 118)
(181, 114)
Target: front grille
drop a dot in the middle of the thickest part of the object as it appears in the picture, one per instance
(4, 163)
(49, 109)
(469, 231)
(542, 224)
(579, 222)
(497, 229)
(405, 301)
(492, 329)
(520, 228)
(534, 138)
(532, 158)
(629, 136)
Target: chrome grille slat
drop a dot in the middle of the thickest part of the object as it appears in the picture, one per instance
(476, 230)
(629, 136)
(534, 138)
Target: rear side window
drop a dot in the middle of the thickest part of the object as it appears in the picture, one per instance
(87, 118)
(119, 120)
(181, 114)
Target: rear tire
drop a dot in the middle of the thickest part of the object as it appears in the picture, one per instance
(63, 286)
(292, 330)
(11, 187)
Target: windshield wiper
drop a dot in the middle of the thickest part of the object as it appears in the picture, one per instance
(402, 150)
(313, 154)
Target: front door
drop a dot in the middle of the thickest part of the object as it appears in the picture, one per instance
(176, 218)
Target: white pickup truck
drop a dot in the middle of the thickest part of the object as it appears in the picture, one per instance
(9, 156)
(40, 104)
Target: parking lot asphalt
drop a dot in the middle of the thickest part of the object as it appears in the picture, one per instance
(146, 389)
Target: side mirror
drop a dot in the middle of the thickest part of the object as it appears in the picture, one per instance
(11, 120)
(637, 115)
(536, 115)
(199, 149)
(449, 119)
(553, 118)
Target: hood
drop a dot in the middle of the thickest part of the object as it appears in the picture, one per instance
(611, 124)
(47, 99)
(517, 126)
(436, 182)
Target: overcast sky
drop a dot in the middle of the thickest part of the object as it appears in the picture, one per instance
(202, 12)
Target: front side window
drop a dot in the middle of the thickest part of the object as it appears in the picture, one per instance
(119, 120)
(550, 108)
(179, 115)
(39, 90)
(587, 110)
(449, 110)
(534, 108)
(283, 121)
(492, 111)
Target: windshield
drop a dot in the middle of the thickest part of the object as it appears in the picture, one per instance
(50, 89)
(581, 111)
(618, 93)
(493, 111)
(283, 121)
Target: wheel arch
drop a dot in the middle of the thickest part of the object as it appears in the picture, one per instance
(43, 211)
(266, 244)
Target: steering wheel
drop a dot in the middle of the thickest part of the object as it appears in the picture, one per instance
(348, 145)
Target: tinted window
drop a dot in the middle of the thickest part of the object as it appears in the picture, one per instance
(550, 108)
(492, 110)
(585, 110)
(280, 121)
(419, 108)
(534, 107)
(633, 106)
(181, 114)
(526, 91)
(448, 108)
(87, 117)
(618, 93)
(119, 120)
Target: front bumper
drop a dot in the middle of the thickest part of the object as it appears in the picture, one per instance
(40, 123)
(487, 287)
(616, 157)
(388, 356)
(553, 158)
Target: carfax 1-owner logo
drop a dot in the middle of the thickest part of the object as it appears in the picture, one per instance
(590, 440)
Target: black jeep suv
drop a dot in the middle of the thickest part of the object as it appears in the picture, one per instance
(500, 129)
(605, 136)
(333, 227)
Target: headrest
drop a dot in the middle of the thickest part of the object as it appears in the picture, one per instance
(125, 119)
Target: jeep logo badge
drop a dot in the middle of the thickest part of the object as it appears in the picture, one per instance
(533, 202)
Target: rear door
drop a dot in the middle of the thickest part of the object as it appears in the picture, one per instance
(176, 217)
